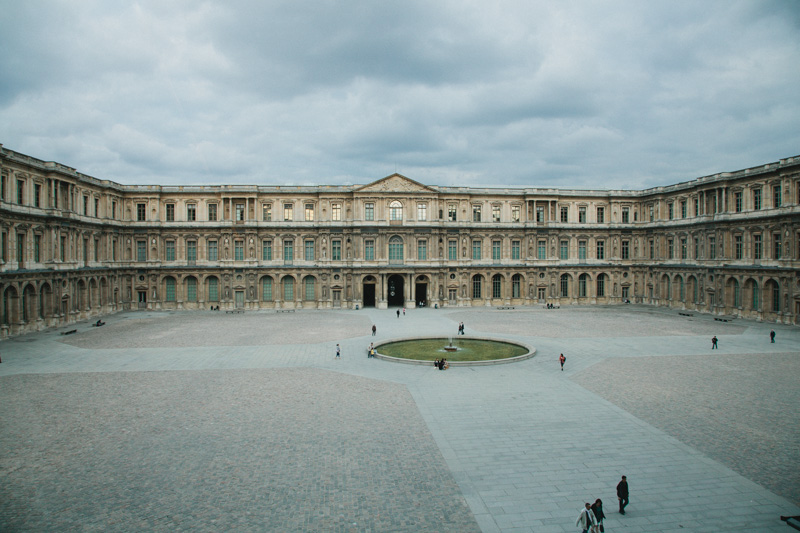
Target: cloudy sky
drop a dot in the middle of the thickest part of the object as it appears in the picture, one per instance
(571, 94)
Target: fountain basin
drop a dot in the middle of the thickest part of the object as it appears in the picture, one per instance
(465, 351)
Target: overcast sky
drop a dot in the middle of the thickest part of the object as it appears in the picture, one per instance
(583, 94)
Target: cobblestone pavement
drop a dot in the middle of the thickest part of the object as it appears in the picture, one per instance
(198, 420)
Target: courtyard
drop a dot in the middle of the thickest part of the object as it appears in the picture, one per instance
(211, 421)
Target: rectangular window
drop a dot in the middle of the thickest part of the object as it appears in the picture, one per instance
(696, 248)
(452, 212)
(626, 249)
(496, 250)
(96, 250)
(336, 250)
(422, 250)
(212, 212)
(37, 194)
(652, 249)
(191, 251)
(336, 212)
(238, 250)
(757, 247)
(96, 207)
(581, 249)
(476, 250)
(213, 253)
(776, 196)
(452, 250)
(191, 212)
(582, 215)
(737, 201)
(37, 247)
(712, 248)
(495, 213)
(20, 191)
(308, 253)
(541, 249)
(601, 249)
(369, 250)
(170, 212)
(422, 211)
(756, 199)
(239, 212)
(684, 250)
(626, 215)
(776, 246)
(114, 209)
(21, 249)
(86, 206)
(369, 211)
(63, 248)
(170, 251)
(266, 212)
(141, 250)
(671, 210)
(266, 251)
(563, 251)
(476, 213)
(670, 249)
(515, 250)
(652, 213)
(737, 246)
(288, 252)
(288, 212)
(539, 213)
(564, 213)
(141, 211)
(601, 215)
(683, 208)
(515, 209)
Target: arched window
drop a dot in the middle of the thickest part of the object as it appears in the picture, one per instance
(776, 296)
(266, 289)
(681, 289)
(516, 284)
(756, 299)
(396, 249)
(288, 289)
(497, 286)
(582, 279)
(170, 292)
(737, 296)
(601, 285)
(191, 289)
(309, 286)
(395, 210)
(476, 285)
(213, 289)
(565, 285)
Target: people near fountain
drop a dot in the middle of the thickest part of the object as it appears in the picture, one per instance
(436, 363)
(562, 360)
(460, 328)
(444, 365)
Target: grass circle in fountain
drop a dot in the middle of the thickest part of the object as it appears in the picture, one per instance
(468, 349)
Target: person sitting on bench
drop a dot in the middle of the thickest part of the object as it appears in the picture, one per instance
(99, 323)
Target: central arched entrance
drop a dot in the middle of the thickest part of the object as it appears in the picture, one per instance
(368, 292)
(394, 296)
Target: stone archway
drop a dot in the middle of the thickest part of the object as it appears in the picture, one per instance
(368, 291)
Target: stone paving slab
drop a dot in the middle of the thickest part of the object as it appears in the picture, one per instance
(525, 443)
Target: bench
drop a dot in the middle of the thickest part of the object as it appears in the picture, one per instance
(686, 314)
(722, 319)
(284, 310)
(70, 332)
(236, 311)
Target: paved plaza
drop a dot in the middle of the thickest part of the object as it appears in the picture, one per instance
(206, 421)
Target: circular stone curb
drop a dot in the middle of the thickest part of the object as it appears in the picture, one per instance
(531, 352)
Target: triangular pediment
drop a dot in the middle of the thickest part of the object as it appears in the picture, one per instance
(395, 183)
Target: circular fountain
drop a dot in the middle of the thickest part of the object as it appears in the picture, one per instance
(464, 351)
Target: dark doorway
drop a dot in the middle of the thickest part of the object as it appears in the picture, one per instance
(395, 291)
(369, 295)
(421, 294)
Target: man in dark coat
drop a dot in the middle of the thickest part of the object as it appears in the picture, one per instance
(622, 494)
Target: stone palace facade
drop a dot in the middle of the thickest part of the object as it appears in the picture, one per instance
(76, 247)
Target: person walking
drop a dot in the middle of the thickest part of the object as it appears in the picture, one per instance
(772, 336)
(586, 519)
(622, 494)
(404, 311)
(599, 515)
(714, 343)
(338, 352)
(374, 329)
(562, 360)
(398, 313)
